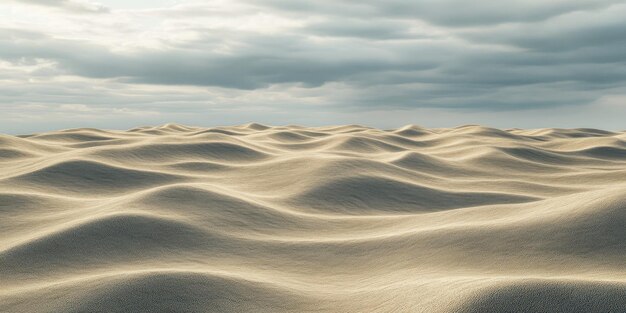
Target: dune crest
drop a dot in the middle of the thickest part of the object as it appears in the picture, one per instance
(257, 218)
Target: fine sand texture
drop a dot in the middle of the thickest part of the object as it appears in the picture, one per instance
(255, 218)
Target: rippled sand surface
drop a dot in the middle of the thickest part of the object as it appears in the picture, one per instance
(334, 219)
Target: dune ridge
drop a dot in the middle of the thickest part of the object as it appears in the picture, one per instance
(257, 218)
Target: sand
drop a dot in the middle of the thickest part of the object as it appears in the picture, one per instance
(255, 218)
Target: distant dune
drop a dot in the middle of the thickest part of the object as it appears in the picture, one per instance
(255, 218)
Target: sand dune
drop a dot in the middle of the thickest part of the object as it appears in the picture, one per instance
(255, 218)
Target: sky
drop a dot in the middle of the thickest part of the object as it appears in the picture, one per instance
(118, 64)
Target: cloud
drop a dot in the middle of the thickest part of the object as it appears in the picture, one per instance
(567, 33)
(443, 12)
(293, 58)
(359, 28)
(77, 6)
(258, 63)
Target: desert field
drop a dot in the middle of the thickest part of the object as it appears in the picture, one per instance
(255, 218)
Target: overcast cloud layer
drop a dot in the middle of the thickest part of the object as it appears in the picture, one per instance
(119, 64)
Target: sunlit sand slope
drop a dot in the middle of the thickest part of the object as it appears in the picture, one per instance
(255, 218)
